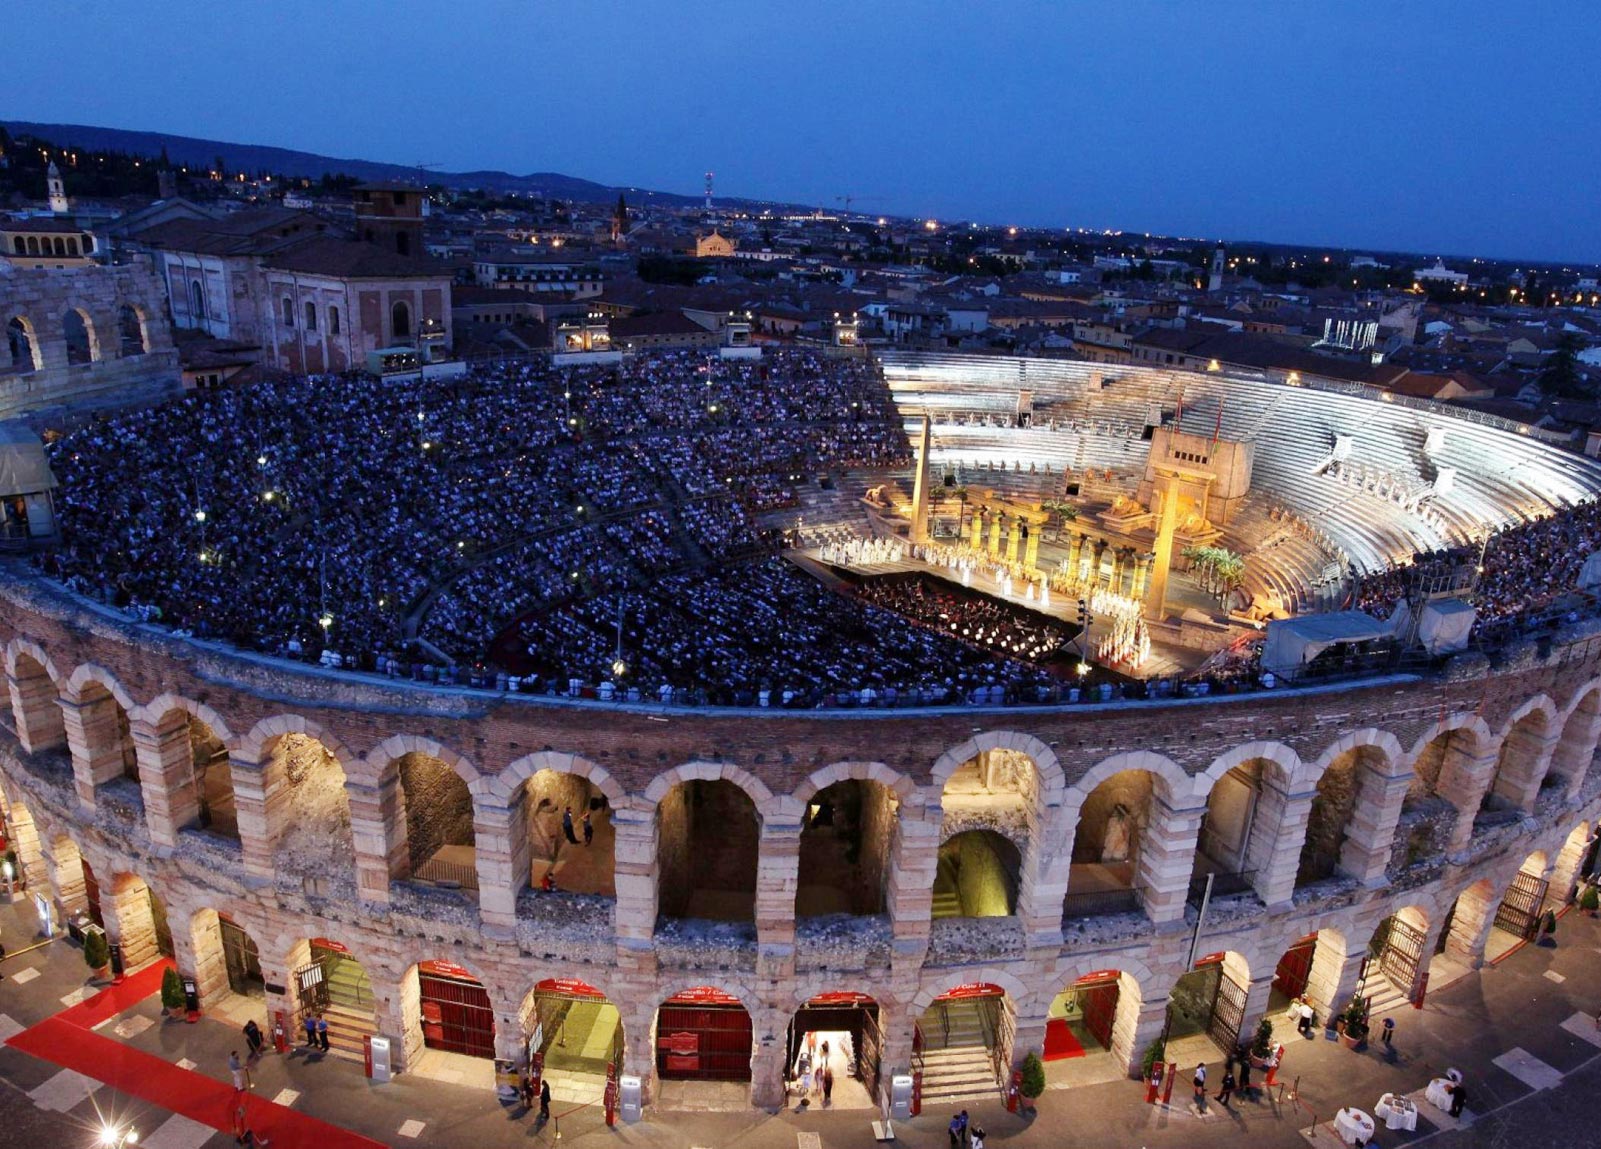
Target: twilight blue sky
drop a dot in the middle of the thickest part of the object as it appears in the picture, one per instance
(1454, 127)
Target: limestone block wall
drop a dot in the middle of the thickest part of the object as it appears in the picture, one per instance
(42, 298)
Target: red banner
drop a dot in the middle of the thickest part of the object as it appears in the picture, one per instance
(702, 995)
(682, 1044)
(971, 990)
(570, 986)
(447, 969)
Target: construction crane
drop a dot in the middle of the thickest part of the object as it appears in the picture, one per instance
(847, 199)
(422, 170)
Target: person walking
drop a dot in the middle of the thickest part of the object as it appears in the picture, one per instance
(1245, 1073)
(544, 1099)
(311, 1029)
(241, 1079)
(589, 829)
(567, 825)
(976, 1138)
(1199, 1084)
(242, 1133)
(253, 1038)
(828, 1085)
(322, 1033)
(528, 1091)
(1459, 1098)
(1227, 1091)
(1387, 1031)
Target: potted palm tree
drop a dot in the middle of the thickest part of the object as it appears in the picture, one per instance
(1354, 1034)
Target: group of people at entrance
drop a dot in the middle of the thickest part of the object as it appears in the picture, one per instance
(814, 1072)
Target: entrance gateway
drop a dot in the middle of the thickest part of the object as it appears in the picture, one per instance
(848, 1024)
(1081, 1016)
(575, 1037)
(962, 1045)
(457, 1016)
(1399, 946)
(1519, 912)
(1207, 1000)
(703, 1034)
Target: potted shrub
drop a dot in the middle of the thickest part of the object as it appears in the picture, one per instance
(1590, 900)
(1262, 1045)
(172, 995)
(96, 952)
(1033, 1083)
(1153, 1053)
(1354, 1034)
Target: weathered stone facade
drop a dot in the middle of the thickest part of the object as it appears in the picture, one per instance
(1524, 736)
(41, 299)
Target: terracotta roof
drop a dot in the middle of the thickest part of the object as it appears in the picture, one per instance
(350, 259)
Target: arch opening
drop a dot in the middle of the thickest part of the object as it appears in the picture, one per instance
(1520, 767)
(1089, 1026)
(447, 1010)
(1518, 914)
(708, 851)
(78, 334)
(1206, 1008)
(977, 876)
(1396, 951)
(139, 921)
(22, 347)
(1112, 823)
(572, 1037)
(312, 835)
(963, 1041)
(1333, 805)
(215, 809)
(131, 336)
(1231, 847)
(564, 832)
(35, 707)
(1430, 810)
(331, 985)
(1576, 745)
(227, 959)
(844, 849)
(113, 763)
(435, 839)
(703, 1034)
(834, 1051)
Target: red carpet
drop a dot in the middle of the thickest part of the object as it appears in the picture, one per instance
(66, 1041)
(1060, 1043)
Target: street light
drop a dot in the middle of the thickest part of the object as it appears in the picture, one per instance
(115, 1138)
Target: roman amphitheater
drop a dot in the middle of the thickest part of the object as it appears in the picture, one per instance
(944, 857)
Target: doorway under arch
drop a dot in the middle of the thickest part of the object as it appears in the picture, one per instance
(977, 876)
(962, 1045)
(703, 1034)
(844, 849)
(834, 1050)
(573, 1038)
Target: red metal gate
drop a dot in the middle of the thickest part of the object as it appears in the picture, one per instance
(1295, 967)
(703, 1034)
(456, 1013)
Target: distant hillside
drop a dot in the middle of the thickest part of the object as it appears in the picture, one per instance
(191, 152)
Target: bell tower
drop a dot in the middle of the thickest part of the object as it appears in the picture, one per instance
(58, 190)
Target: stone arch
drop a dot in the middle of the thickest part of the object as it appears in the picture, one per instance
(136, 918)
(524, 805)
(1576, 744)
(1248, 822)
(943, 983)
(979, 874)
(1448, 766)
(296, 804)
(95, 714)
(461, 1016)
(1286, 761)
(89, 675)
(1349, 777)
(1567, 871)
(35, 690)
(379, 762)
(849, 817)
(266, 732)
(1179, 785)
(1442, 758)
(79, 335)
(187, 765)
(709, 827)
(1047, 767)
(1523, 757)
(1121, 821)
(133, 332)
(226, 955)
(552, 1004)
(22, 835)
(69, 876)
(22, 346)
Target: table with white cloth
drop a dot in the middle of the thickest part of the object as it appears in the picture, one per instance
(1396, 1112)
(1353, 1126)
(1438, 1094)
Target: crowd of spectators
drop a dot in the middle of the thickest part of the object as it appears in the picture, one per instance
(301, 512)
(1528, 571)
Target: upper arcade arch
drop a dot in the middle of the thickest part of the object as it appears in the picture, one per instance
(35, 690)
(1523, 758)
(182, 747)
(522, 817)
(1051, 780)
(1576, 743)
(847, 833)
(95, 714)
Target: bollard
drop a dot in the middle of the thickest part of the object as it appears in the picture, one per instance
(1167, 1085)
(1155, 1083)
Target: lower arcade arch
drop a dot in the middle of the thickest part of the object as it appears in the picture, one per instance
(226, 957)
(1090, 1028)
(572, 1038)
(1397, 954)
(1306, 981)
(330, 984)
(977, 876)
(962, 1044)
(137, 921)
(19, 847)
(845, 849)
(1521, 906)
(444, 1007)
(703, 1034)
(834, 1051)
(1206, 1008)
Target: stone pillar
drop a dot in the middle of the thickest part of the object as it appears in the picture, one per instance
(1167, 526)
(65, 866)
(1565, 872)
(1524, 759)
(371, 808)
(768, 1029)
(397, 1011)
(94, 738)
(920, 486)
(1030, 1035)
(995, 536)
(1464, 780)
(1257, 991)
(278, 969)
(1142, 574)
(637, 895)
(1370, 834)
(1470, 926)
(639, 1046)
(1097, 559)
(1332, 979)
(499, 880)
(1031, 553)
(35, 709)
(1167, 858)
(1013, 538)
(35, 874)
(896, 1054)
(1116, 585)
(1278, 832)
(259, 795)
(1039, 897)
(909, 896)
(166, 775)
(978, 530)
(777, 880)
(126, 907)
(198, 952)
(1133, 1030)
(1073, 550)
